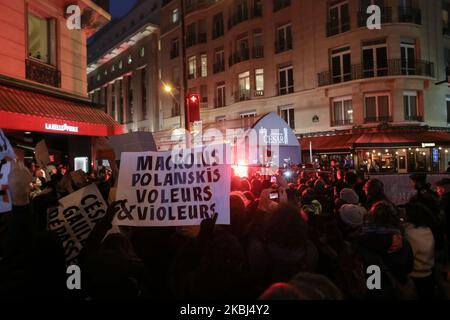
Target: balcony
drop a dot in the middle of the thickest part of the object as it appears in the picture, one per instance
(219, 103)
(336, 27)
(386, 17)
(42, 73)
(382, 119)
(202, 38)
(283, 45)
(413, 118)
(239, 56)
(258, 52)
(395, 67)
(345, 122)
(409, 15)
(218, 67)
(242, 95)
(280, 4)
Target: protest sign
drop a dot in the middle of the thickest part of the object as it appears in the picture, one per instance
(167, 190)
(75, 218)
(41, 154)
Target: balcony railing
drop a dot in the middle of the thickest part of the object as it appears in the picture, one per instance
(258, 52)
(42, 73)
(414, 118)
(283, 45)
(386, 16)
(409, 15)
(378, 119)
(345, 122)
(218, 67)
(239, 56)
(242, 95)
(395, 67)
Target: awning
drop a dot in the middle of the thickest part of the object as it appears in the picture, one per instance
(33, 111)
(343, 142)
(347, 142)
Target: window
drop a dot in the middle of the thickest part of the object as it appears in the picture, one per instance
(176, 76)
(287, 113)
(174, 48)
(144, 93)
(284, 38)
(408, 52)
(286, 78)
(218, 28)
(377, 108)
(219, 60)
(244, 86)
(220, 97)
(204, 93)
(192, 67)
(375, 63)
(42, 39)
(248, 114)
(446, 17)
(243, 47)
(338, 18)
(130, 102)
(130, 59)
(113, 68)
(202, 37)
(259, 82)
(258, 47)
(342, 111)
(175, 15)
(113, 102)
(448, 109)
(121, 65)
(191, 37)
(411, 105)
(142, 52)
(341, 66)
(221, 118)
(204, 65)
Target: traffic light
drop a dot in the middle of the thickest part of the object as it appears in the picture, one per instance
(193, 101)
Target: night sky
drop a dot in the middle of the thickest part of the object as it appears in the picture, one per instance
(121, 7)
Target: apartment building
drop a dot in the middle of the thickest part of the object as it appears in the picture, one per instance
(123, 71)
(336, 82)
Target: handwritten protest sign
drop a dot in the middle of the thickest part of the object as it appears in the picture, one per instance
(75, 218)
(164, 190)
(41, 154)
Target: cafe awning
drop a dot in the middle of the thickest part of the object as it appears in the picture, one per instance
(26, 110)
(348, 142)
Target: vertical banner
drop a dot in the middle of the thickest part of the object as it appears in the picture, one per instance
(75, 219)
(179, 188)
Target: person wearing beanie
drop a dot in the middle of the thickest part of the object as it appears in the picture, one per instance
(352, 215)
(349, 196)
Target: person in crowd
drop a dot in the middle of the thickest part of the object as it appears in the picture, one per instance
(374, 190)
(418, 228)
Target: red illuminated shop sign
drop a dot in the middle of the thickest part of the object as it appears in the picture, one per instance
(22, 122)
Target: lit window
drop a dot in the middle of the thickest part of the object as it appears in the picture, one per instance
(204, 65)
(142, 52)
(130, 59)
(259, 82)
(192, 67)
(42, 39)
(175, 15)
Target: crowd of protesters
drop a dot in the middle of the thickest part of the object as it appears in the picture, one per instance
(301, 235)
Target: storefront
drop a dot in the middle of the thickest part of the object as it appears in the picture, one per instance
(68, 125)
(385, 152)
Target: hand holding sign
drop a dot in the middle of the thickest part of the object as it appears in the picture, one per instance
(207, 227)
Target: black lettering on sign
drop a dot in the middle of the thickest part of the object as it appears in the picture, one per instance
(144, 163)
